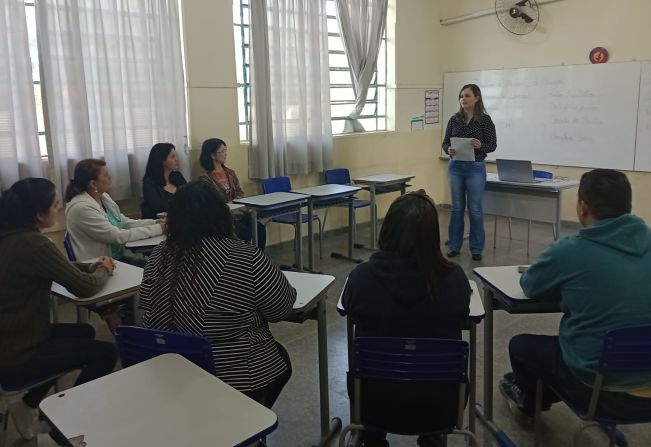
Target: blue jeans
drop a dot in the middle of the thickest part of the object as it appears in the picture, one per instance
(467, 181)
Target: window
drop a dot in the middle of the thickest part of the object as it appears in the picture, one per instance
(30, 14)
(342, 98)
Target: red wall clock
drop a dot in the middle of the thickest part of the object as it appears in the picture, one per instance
(599, 55)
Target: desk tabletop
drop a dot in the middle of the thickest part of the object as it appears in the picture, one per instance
(164, 401)
(477, 311)
(149, 242)
(327, 190)
(124, 282)
(503, 279)
(308, 287)
(383, 179)
(547, 184)
(272, 199)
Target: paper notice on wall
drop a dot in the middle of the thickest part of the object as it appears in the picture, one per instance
(432, 106)
(417, 123)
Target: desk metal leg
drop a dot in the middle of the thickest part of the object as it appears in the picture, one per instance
(324, 398)
(254, 227)
(403, 189)
(373, 217)
(299, 243)
(557, 232)
(472, 397)
(351, 223)
(310, 235)
(488, 354)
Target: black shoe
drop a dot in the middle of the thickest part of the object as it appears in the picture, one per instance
(430, 440)
(453, 253)
(518, 401)
(476, 256)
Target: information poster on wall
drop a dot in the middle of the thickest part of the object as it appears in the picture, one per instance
(432, 106)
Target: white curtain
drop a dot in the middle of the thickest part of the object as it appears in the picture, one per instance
(291, 132)
(19, 152)
(113, 77)
(362, 24)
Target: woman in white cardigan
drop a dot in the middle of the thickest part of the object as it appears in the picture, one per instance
(94, 221)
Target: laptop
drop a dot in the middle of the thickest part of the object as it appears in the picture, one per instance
(518, 171)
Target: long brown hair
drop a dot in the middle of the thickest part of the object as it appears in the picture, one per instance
(479, 105)
(411, 230)
(86, 171)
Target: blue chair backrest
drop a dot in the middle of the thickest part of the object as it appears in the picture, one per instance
(339, 176)
(67, 244)
(412, 360)
(542, 174)
(137, 344)
(627, 349)
(276, 184)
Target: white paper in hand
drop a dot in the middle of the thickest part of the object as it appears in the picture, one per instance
(464, 149)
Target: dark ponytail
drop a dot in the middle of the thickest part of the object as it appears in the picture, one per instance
(26, 198)
(86, 171)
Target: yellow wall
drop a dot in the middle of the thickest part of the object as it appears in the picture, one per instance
(422, 51)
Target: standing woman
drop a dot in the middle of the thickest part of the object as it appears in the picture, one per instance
(213, 159)
(94, 221)
(161, 180)
(468, 178)
(31, 348)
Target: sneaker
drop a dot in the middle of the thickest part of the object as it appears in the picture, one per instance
(24, 418)
(476, 256)
(452, 253)
(517, 398)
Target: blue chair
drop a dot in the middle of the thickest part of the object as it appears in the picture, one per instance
(626, 350)
(341, 176)
(283, 184)
(137, 344)
(403, 362)
(12, 390)
(67, 244)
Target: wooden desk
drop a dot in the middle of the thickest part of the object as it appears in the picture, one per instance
(325, 196)
(164, 401)
(311, 294)
(273, 204)
(501, 287)
(379, 184)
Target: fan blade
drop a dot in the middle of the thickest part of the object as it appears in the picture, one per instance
(522, 3)
(526, 17)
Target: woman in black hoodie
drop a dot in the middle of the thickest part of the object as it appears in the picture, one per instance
(408, 289)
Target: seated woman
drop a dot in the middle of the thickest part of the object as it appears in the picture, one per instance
(212, 159)
(30, 347)
(408, 289)
(95, 224)
(204, 281)
(162, 178)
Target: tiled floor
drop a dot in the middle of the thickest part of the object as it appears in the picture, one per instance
(298, 405)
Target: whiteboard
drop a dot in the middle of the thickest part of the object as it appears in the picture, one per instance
(643, 145)
(574, 115)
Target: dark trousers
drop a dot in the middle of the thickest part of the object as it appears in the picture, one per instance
(536, 357)
(70, 346)
(243, 229)
(268, 394)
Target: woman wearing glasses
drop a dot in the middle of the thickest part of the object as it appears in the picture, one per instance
(213, 161)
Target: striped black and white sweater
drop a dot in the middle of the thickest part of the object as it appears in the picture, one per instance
(228, 291)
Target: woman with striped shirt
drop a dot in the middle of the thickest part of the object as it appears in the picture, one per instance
(205, 281)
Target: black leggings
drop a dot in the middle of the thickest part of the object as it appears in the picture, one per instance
(70, 346)
(268, 394)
